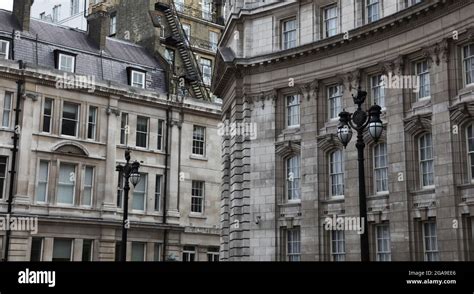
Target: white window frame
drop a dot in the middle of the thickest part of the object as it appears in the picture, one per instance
(73, 62)
(466, 59)
(134, 82)
(86, 186)
(187, 30)
(428, 252)
(92, 250)
(65, 184)
(160, 135)
(94, 123)
(293, 244)
(143, 179)
(188, 252)
(373, 4)
(377, 167)
(470, 153)
(124, 129)
(206, 69)
(78, 119)
(293, 103)
(419, 75)
(7, 49)
(337, 95)
(422, 161)
(327, 33)
(50, 117)
(198, 141)
(337, 238)
(5, 179)
(113, 25)
(46, 183)
(147, 133)
(381, 254)
(199, 198)
(335, 175)
(7, 112)
(212, 254)
(144, 250)
(213, 40)
(288, 43)
(377, 90)
(293, 181)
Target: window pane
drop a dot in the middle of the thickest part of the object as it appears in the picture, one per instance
(138, 251)
(87, 250)
(47, 115)
(139, 193)
(197, 196)
(142, 132)
(62, 250)
(88, 186)
(198, 140)
(36, 249)
(66, 185)
(3, 175)
(92, 123)
(42, 181)
(70, 119)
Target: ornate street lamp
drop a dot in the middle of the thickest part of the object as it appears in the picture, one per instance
(128, 171)
(358, 121)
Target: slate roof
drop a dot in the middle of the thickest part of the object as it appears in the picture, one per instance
(118, 54)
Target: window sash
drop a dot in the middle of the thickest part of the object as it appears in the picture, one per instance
(336, 173)
(430, 241)
(293, 244)
(214, 40)
(468, 62)
(88, 190)
(470, 149)
(293, 110)
(42, 187)
(330, 20)
(62, 250)
(138, 251)
(70, 119)
(381, 168)
(423, 74)
(338, 250)
(66, 184)
(140, 193)
(7, 109)
(293, 178)
(3, 175)
(382, 242)
(124, 128)
(48, 109)
(197, 196)
(142, 132)
(92, 123)
(113, 25)
(4, 49)
(289, 34)
(87, 250)
(378, 90)
(372, 10)
(138, 79)
(158, 192)
(66, 63)
(189, 253)
(74, 7)
(199, 140)
(36, 253)
(426, 160)
(159, 144)
(335, 101)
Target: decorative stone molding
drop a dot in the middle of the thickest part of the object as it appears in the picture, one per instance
(287, 148)
(309, 90)
(470, 33)
(437, 52)
(328, 142)
(418, 124)
(394, 66)
(113, 110)
(70, 148)
(261, 97)
(461, 112)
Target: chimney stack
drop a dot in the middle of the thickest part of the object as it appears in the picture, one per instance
(98, 22)
(22, 10)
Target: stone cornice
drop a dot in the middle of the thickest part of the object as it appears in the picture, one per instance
(417, 124)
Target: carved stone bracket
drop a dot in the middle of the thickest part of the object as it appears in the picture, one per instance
(418, 124)
(309, 90)
(287, 148)
(461, 112)
(328, 142)
(437, 52)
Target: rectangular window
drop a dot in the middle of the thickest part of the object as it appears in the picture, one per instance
(380, 168)
(199, 140)
(66, 62)
(378, 90)
(48, 115)
(169, 56)
(409, 3)
(213, 254)
(430, 240)
(158, 193)
(70, 119)
(118, 250)
(4, 49)
(74, 7)
(426, 160)
(293, 110)
(293, 177)
(336, 173)
(335, 101)
(189, 253)
(206, 69)
(289, 34)
(207, 10)
(124, 129)
(36, 253)
(423, 74)
(113, 25)
(470, 149)
(213, 40)
(142, 132)
(42, 189)
(138, 79)
(139, 193)
(157, 252)
(3, 176)
(382, 236)
(161, 124)
(120, 190)
(187, 31)
(468, 61)
(62, 250)
(66, 183)
(92, 123)
(372, 10)
(87, 247)
(138, 251)
(330, 21)
(338, 247)
(7, 109)
(197, 196)
(293, 244)
(88, 186)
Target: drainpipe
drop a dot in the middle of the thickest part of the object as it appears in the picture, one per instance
(16, 137)
(165, 186)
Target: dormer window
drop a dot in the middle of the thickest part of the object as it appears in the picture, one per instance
(4, 49)
(136, 77)
(65, 61)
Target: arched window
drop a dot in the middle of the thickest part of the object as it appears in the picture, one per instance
(426, 160)
(380, 168)
(336, 173)
(293, 177)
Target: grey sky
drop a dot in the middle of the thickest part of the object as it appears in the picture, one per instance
(6, 4)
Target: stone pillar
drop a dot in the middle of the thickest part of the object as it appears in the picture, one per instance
(173, 168)
(48, 249)
(77, 247)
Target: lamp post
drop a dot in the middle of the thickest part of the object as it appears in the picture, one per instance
(129, 172)
(358, 121)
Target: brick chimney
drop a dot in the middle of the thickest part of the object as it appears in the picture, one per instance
(22, 10)
(98, 22)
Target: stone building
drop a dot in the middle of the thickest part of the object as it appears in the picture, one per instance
(289, 68)
(71, 104)
(71, 13)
